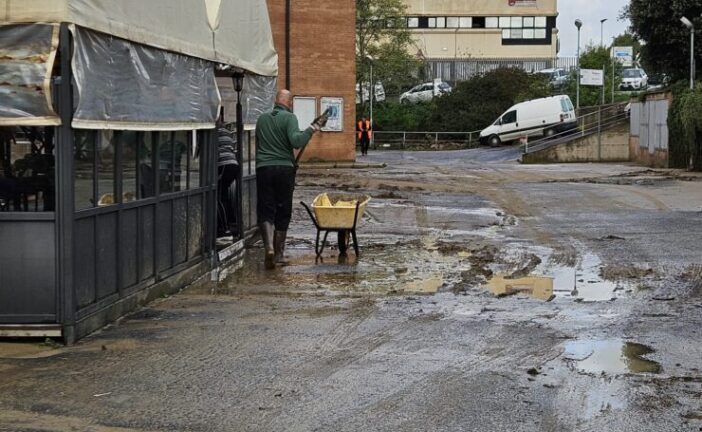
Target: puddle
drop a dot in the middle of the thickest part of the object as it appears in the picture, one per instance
(425, 286)
(535, 286)
(26, 350)
(581, 282)
(611, 356)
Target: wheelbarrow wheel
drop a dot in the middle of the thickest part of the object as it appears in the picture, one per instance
(344, 240)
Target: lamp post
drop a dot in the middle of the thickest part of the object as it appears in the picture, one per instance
(602, 21)
(578, 24)
(372, 93)
(689, 25)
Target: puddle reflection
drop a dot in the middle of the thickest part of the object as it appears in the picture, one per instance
(612, 356)
(535, 286)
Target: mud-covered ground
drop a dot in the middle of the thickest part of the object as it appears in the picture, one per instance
(489, 296)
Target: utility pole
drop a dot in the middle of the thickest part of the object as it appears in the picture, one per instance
(691, 26)
(578, 24)
(372, 93)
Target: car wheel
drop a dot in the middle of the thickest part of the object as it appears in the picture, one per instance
(494, 141)
(548, 133)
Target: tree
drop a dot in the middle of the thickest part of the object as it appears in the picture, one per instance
(476, 103)
(666, 46)
(595, 57)
(381, 33)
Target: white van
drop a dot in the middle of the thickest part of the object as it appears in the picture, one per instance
(538, 117)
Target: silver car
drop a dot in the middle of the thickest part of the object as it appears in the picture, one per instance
(424, 92)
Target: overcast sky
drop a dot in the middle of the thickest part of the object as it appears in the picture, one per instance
(590, 13)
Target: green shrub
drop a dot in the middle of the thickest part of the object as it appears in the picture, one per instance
(685, 127)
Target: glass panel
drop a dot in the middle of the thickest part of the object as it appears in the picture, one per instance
(413, 22)
(452, 22)
(540, 22)
(431, 23)
(164, 146)
(540, 34)
(466, 22)
(146, 168)
(27, 177)
(84, 164)
(516, 22)
(516, 33)
(441, 22)
(509, 118)
(528, 21)
(528, 34)
(130, 149)
(491, 22)
(180, 148)
(194, 155)
(505, 22)
(106, 168)
(506, 34)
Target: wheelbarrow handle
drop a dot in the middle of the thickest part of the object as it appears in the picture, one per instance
(309, 211)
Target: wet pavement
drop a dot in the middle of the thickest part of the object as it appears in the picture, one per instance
(488, 296)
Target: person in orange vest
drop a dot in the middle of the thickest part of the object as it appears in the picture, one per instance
(364, 130)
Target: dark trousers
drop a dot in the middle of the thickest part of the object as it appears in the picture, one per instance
(365, 142)
(275, 186)
(225, 207)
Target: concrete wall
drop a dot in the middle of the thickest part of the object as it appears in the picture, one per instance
(615, 148)
(322, 63)
(475, 43)
(481, 7)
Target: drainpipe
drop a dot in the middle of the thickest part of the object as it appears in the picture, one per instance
(287, 43)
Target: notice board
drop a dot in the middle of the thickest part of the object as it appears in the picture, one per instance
(336, 116)
(305, 109)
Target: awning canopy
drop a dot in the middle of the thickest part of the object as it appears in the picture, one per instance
(234, 32)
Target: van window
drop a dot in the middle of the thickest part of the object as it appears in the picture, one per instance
(510, 117)
(564, 105)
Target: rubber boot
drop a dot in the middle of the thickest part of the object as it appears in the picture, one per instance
(267, 230)
(279, 245)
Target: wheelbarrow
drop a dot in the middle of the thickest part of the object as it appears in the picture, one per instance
(340, 213)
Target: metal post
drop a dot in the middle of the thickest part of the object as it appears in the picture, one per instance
(692, 58)
(238, 86)
(372, 91)
(599, 131)
(614, 75)
(577, 97)
(404, 139)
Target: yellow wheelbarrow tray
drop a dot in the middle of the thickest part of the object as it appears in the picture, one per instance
(337, 212)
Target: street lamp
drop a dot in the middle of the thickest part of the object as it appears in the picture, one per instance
(372, 93)
(578, 24)
(689, 25)
(602, 21)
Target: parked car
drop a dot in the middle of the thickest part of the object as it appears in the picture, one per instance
(557, 78)
(537, 117)
(658, 81)
(634, 79)
(424, 92)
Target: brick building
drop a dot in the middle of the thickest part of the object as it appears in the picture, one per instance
(316, 44)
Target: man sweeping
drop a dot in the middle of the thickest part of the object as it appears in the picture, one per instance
(277, 134)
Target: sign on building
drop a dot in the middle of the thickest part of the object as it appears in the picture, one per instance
(305, 108)
(624, 55)
(592, 77)
(336, 115)
(521, 2)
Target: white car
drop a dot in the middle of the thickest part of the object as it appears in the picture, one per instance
(557, 78)
(634, 79)
(538, 117)
(424, 92)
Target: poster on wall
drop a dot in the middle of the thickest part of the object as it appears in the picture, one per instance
(305, 109)
(336, 117)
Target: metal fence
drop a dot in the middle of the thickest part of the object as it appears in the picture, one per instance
(403, 140)
(455, 70)
(591, 121)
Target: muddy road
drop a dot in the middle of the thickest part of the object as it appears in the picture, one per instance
(489, 296)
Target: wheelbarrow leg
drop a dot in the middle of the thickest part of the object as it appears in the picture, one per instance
(316, 244)
(355, 242)
(324, 242)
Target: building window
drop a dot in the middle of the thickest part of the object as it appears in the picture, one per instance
(466, 22)
(540, 22)
(505, 22)
(440, 22)
(516, 22)
(413, 22)
(506, 33)
(525, 28)
(491, 22)
(431, 22)
(452, 22)
(528, 21)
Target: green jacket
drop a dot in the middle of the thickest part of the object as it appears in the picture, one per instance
(277, 134)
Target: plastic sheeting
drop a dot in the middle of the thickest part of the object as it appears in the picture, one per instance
(126, 86)
(257, 97)
(235, 32)
(27, 54)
